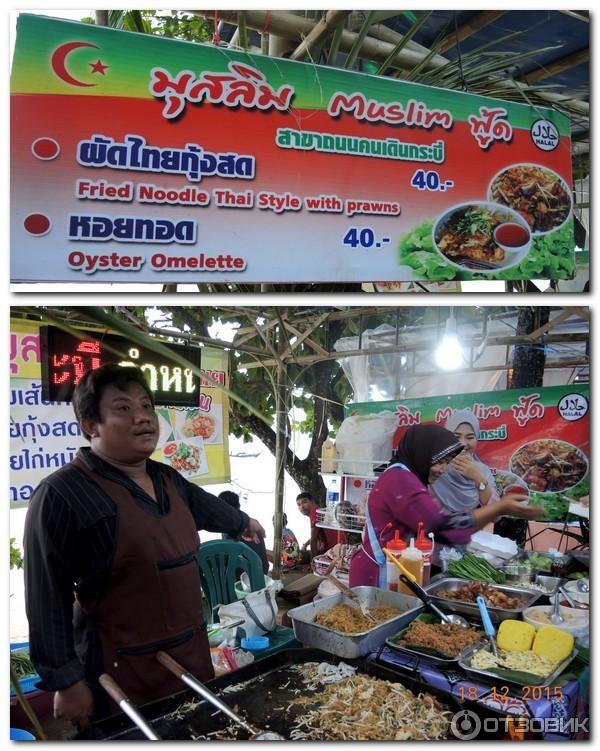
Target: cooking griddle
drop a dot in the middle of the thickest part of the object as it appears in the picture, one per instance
(263, 692)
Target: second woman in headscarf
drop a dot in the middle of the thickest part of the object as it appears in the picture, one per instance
(469, 482)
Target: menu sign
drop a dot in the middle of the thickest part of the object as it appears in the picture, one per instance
(44, 434)
(535, 439)
(144, 159)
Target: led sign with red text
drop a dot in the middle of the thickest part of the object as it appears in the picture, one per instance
(65, 358)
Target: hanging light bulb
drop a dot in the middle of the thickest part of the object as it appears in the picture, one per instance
(449, 353)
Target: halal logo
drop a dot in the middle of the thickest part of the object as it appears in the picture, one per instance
(545, 135)
(573, 407)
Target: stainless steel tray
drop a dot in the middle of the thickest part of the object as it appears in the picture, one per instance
(353, 645)
(470, 609)
(488, 676)
(415, 652)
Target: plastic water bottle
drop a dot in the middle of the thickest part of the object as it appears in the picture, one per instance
(333, 494)
(332, 498)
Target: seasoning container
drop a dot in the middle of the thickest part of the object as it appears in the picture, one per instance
(560, 562)
(396, 546)
(412, 559)
(425, 545)
(328, 457)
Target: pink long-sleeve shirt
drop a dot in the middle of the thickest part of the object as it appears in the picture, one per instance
(400, 499)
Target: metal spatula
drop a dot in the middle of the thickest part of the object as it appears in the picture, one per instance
(407, 578)
(113, 689)
(255, 735)
(353, 596)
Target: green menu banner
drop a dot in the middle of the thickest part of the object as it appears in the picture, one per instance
(537, 439)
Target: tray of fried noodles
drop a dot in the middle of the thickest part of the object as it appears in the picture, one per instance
(439, 643)
(337, 625)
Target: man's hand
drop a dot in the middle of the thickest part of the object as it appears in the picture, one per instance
(465, 465)
(75, 704)
(254, 531)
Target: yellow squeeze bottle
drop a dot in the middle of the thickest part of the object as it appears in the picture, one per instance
(412, 560)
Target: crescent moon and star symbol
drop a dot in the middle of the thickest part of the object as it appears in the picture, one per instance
(59, 63)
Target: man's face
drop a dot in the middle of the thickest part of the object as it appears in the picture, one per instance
(128, 426)
(466, 435)
(304, 504)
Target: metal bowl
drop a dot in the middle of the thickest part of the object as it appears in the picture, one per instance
(550, 583)
(516, 574)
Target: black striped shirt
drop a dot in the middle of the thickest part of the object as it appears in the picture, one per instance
(70, 537)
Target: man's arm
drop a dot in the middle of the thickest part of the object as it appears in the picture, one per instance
(213, 514)
(50, 533)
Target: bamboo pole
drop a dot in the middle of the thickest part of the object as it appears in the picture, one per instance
(289, 26)
(496, 341)
(480, 21)
(320, 32)
(280, 448)
(558, 66)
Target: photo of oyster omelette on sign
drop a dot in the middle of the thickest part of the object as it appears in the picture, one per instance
(525, 200)
(182, 438)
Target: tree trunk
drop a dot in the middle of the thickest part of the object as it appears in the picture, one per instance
(528, 360)
(527, 371)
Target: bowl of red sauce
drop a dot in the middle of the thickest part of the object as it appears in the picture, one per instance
(513, 237)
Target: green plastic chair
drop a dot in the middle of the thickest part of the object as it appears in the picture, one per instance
(221, 562)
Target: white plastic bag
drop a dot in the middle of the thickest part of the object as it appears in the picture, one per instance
(258, 609)
(365, 441)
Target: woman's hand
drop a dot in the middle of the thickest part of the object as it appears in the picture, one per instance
(512, 505)
(464, 464)
(75, 704)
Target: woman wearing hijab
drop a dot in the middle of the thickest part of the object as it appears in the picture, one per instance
(469, 482)
(400, 500)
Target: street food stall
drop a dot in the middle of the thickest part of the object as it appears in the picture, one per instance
(493, 643)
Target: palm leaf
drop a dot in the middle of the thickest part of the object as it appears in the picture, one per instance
(404, 41)
(353, 54)
(129, 20)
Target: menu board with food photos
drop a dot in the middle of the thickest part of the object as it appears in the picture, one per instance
(195, 441)
(44, 435)
(534, 440)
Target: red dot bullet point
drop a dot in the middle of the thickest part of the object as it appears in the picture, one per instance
(45, 148)
(37, 224)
